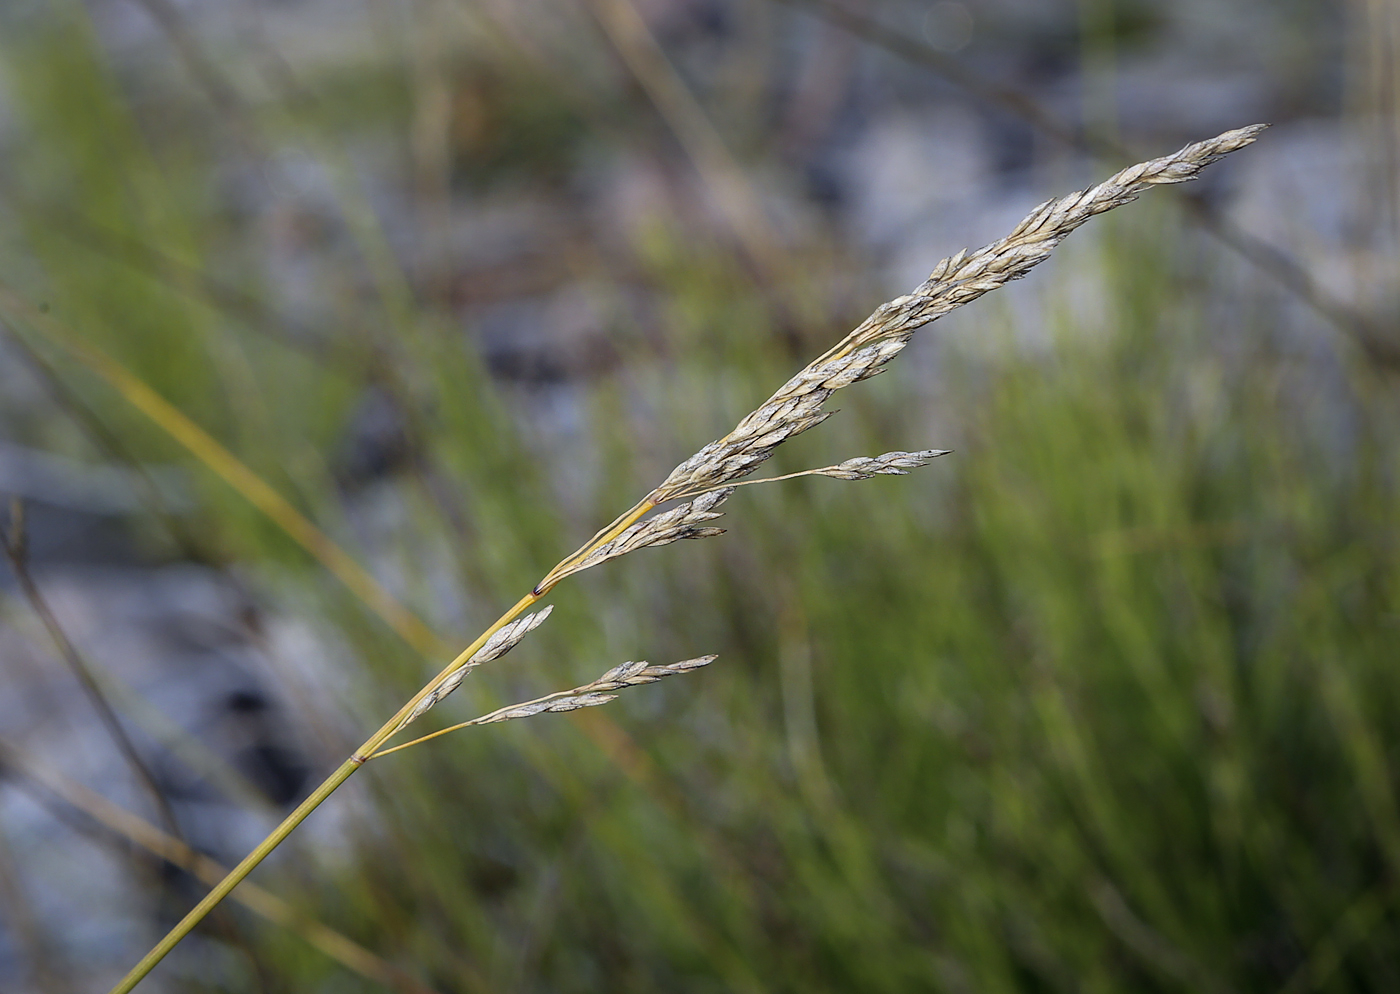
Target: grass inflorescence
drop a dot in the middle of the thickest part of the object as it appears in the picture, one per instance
(1104, 702)
(795, 408)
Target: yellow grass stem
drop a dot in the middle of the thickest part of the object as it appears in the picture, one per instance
(280, 833)
(235, 473)
(234, 878)
(421, 739)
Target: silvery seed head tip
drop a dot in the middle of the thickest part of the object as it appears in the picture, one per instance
(685, 665)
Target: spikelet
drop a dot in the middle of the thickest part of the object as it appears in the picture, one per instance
(595, 693)
(504, 640)
(889, 464)
(679, 522)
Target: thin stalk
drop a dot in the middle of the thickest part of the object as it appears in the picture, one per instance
(358, 759)
(235, 877)
(104, 439)
(117, 824)
(423, 738)
(234, 472)
(690, 494)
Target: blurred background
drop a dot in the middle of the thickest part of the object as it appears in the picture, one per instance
(1107, 700)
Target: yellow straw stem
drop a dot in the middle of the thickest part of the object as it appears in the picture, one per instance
(280, 833)
(236, 474)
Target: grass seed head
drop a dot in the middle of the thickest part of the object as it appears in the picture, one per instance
(957, 280)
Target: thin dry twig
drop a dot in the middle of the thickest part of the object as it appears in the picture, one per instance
(14, 541)
(721, 173)
(234, 472)
(106, 441)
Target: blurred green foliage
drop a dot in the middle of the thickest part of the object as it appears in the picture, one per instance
(1106, 701)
